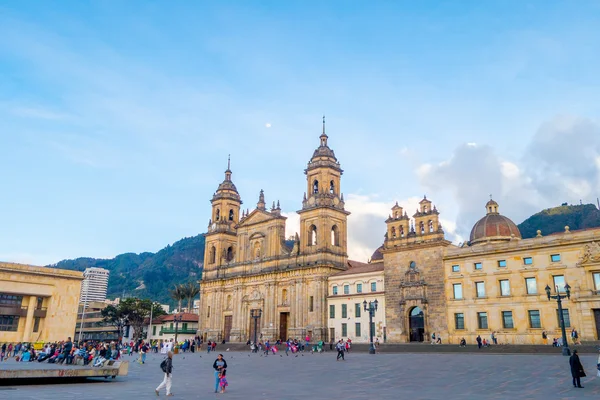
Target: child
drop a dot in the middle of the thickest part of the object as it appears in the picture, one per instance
(223, 380)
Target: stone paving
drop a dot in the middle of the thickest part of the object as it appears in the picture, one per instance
(319, 376)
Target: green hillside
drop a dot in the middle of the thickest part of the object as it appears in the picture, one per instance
(148, 275)
(555, 219)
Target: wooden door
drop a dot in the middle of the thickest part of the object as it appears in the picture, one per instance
(227, 327)
(597, 320)
(283, 326)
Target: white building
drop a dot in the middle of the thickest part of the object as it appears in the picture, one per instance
(348, 290)
(94, 285)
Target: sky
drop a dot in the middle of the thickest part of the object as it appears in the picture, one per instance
(117, 118)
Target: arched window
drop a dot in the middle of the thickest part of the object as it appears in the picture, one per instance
(401, 231)
(231, 215)
(396, 215)
(412, 265)
(430, 223)
(230, 253)
(335, 236)
(331, 187)
(316, 186)
(312, 235)
(425, 209)
(213, 255)
(422, 227)
(218, 215)
(393, 233)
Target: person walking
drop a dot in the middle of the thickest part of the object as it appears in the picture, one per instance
(479, 342)
(219, 365)
(575, 336)
(167, 368)
(577, 371)
(340, 347)
(494, 338)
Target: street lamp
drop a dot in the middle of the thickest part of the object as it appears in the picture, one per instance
(255, 314)
(371, 307)
(177, 319)
(558, 297)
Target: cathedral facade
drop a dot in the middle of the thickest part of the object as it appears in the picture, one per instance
(250, 269)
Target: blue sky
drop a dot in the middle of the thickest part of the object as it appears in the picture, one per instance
(116, 118)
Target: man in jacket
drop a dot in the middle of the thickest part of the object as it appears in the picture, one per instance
(577, 371)
(340, 347)
(167, 367)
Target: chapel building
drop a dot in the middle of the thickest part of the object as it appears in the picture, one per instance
(249, 267)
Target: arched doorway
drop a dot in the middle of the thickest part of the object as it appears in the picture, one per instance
(417, 325)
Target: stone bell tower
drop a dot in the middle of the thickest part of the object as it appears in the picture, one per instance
(221, 237)
(323, 219)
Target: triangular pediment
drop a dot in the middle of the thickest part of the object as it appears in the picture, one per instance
(256, 217)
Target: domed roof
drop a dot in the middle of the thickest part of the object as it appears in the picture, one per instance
(494, 227)
(377, 254)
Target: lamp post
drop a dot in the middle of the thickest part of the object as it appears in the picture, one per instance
(177, 319)
(371, 307)
(255, 314)
(558, 297)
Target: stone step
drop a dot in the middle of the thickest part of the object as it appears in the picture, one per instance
(586, 348)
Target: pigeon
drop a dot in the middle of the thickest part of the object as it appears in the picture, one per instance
(296, 355)
(227, 350)
(280, 355)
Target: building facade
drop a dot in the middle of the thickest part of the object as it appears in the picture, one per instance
(165, 328)
(249, 266)
(497, 283)
(412, 254)
(348, 290)
(90, 325)
(94, 285)
(37, 303)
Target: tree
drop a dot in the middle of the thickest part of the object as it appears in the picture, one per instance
(178, 294)
(191, 290)
(114, 316)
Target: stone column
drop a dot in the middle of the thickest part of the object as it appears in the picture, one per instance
(29, 320)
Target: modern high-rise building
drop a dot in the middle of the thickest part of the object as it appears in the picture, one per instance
(94, 285)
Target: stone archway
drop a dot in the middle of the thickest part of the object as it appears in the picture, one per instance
(416, 323)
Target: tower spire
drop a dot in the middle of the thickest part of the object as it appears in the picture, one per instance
(323, 136)
(228, 170)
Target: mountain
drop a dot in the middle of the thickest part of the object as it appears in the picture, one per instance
(148, 275)
(555, 219)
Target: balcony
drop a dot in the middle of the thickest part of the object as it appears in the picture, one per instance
(40, 312)
(8, 309)
(180, 331)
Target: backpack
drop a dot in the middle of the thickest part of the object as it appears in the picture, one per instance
(163, 365)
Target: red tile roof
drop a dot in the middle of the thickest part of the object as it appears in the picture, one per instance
(185, 317)
(357, 267)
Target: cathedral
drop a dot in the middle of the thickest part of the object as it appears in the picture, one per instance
(250, 269)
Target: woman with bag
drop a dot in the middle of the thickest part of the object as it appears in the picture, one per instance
(577, 371)
(220, 365)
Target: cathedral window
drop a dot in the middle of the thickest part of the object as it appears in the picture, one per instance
(393, 233)
(401, 231)
(335, 236)
(212, 255)
(231, 215)
(430, 223)
(229, 253)
(316, 186)
(422, 227)
(412, 265)
(312, 236)
(331, 187)
(218, 215)
(424, 209)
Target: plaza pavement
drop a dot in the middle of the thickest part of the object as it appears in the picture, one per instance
(319, 376)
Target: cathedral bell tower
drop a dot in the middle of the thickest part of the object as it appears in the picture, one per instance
(323, 219)
(221, 237)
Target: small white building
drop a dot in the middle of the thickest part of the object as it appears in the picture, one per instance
(164, 327)
(348, 290)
